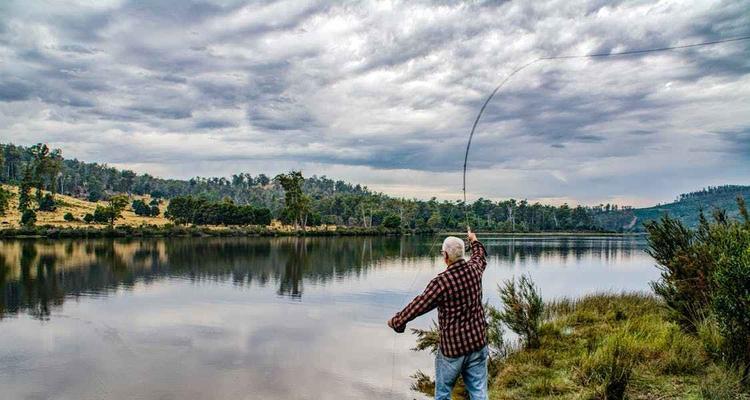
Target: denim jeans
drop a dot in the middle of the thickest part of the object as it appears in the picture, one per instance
(472, 367)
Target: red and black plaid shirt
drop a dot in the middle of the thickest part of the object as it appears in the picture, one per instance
(457, 294)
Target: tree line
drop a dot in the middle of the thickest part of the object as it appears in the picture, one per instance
(292, 198)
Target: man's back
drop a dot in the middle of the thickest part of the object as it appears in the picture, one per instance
(457, 294)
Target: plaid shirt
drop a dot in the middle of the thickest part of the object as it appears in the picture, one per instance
(457, 294)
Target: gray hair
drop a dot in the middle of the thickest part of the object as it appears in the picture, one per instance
(453, 248)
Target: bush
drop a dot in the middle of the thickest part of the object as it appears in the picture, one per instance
(28, 218)
(522, 309)
(5, 197)
(686, 267)
(610, 366)
(88, 218)
(102, 215)
(731, 296)
(47, 203)
(69, 217)
(392, 222)
(707, 273)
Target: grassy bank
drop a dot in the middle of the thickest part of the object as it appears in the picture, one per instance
(600, 344)
(605, 346)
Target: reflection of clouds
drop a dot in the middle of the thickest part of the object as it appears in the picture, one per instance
(183, 329)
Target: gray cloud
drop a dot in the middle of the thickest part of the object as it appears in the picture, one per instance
(383, 93)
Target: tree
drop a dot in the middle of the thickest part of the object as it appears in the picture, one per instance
(5, 197)
(69, 217)
(24, 190)
(392, 222)
(140, 208)
(112, 211)
(297, 204)
(47, 203)
(128, 177)
(28, 217)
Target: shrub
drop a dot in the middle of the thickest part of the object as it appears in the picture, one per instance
(88, 218)
(686, 267)
(522, 309)
(69, 217)
(5, 197)
(731, 297)
(707, 272)
(47, 203)
(392, 222)
(28, 217)
(610, 366)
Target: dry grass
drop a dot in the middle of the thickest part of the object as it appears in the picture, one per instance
(77, 207)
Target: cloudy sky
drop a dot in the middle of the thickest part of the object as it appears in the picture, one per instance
(384, 93)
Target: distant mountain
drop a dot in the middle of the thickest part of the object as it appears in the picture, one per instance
(688, 206)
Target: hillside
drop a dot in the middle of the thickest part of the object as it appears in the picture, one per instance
(333, 202)
(688, 206)
(78, 208)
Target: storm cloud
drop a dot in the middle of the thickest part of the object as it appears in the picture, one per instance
(384, 93)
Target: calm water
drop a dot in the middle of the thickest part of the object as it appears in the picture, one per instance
(250, 318)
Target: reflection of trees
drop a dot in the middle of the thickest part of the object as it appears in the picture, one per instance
(38, 275)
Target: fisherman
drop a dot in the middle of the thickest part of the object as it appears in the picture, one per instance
(457, 294)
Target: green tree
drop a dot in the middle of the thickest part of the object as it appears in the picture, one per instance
(392, 221)
(24, 190)
(28, 217)
(296, 203)
(5, 197)
(112, 211)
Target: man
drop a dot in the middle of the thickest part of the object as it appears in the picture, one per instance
(457, 294)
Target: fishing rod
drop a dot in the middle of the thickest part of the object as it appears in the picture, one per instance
(567, 57)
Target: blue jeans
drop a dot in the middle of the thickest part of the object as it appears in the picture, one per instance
(472, 367)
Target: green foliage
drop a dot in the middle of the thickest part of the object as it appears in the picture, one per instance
(686, 266)
(427, 339)
(522, 309)
(392, 221)
(69, 217)
(28, 217)
(706, 275)
(296, 202)
(140, 208)
(610, 366)
(200, 211)
(24, 190)
(112, 211)
(88, 218)
(47, 203)
(731, 294)
(5, 197)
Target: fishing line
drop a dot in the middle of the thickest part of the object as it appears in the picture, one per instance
(567, 57)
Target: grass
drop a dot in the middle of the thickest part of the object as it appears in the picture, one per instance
(610, 346)
(77, 207)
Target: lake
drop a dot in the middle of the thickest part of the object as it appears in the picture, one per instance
(252, 318)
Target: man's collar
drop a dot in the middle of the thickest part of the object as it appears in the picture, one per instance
(457, 263)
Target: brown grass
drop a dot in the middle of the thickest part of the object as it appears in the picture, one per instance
(78, 208)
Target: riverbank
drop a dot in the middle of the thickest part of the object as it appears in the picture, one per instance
(169, 230)
(605, 346)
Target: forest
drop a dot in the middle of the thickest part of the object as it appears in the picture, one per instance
(303, 201)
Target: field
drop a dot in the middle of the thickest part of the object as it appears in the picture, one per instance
(79, 208)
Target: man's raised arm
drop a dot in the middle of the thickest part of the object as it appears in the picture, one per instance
(478, 253)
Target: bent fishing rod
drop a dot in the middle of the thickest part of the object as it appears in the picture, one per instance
(564, 57)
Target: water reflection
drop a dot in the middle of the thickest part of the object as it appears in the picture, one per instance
(225, 318)
(36, 276)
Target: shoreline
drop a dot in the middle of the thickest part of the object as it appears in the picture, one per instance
(129, 231)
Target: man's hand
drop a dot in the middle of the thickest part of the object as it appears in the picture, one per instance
(398, 329)
(471, 235)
